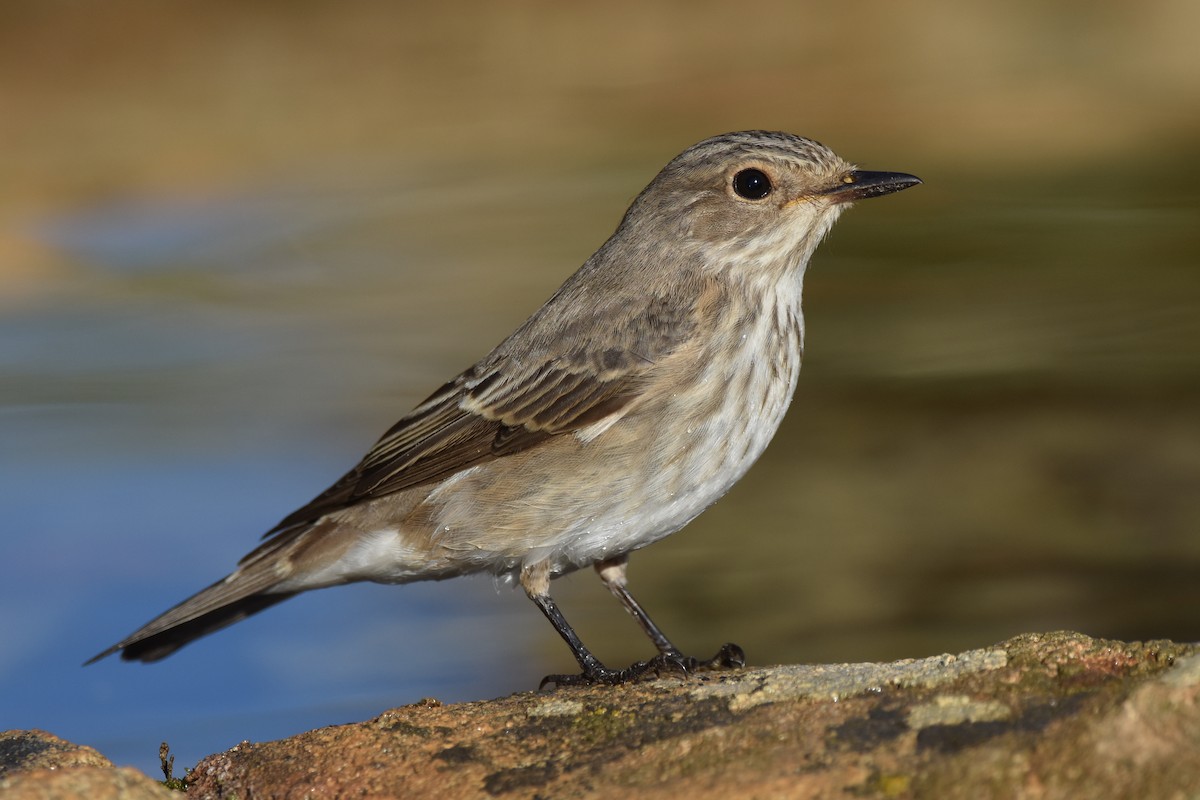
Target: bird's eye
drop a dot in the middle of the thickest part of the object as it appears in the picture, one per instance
(752, 184)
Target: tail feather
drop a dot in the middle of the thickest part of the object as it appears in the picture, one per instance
(225, 602)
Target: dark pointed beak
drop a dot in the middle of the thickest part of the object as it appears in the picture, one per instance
(860, 184)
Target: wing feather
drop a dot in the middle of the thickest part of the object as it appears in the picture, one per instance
(505, 405)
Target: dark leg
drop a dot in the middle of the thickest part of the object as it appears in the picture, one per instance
(536, 582)
(612, 573)
(593, 670)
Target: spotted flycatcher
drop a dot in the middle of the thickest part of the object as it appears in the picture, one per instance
(632, 400)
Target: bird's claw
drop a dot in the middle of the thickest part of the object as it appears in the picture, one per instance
(730, 656)
(598, 674)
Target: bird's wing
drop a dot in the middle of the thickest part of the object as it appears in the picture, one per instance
(496, 415)
(501, 406)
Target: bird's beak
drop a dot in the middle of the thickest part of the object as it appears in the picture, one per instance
(860, 184)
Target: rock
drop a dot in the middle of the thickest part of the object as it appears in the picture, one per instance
(1045, 716)
(26, 750)
(35, 765)
(1039, 716)
(92, 783)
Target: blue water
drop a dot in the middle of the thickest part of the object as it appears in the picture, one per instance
(150, 434)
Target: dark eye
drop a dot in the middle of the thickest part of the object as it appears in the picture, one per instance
(752, 184)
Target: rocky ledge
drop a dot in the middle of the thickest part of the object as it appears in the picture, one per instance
(1041, 716)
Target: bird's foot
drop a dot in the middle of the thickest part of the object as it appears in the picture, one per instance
(730, 656)
(598, 673)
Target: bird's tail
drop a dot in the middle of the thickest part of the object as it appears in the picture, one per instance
(227, 601)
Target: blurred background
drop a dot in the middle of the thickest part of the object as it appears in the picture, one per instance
(237, 241)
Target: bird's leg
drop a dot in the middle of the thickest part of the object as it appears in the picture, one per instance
(612, 573)
(536, 582)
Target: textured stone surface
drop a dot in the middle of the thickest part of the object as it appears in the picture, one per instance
(1039, 716)
(92, 783)
(1045, 716)
(35, 765)
(26, 750)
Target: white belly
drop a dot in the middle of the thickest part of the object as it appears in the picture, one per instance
(697, 464)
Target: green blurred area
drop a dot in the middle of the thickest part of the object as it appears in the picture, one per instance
(998, 423)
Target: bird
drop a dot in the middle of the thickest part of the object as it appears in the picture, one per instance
(634, 398)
